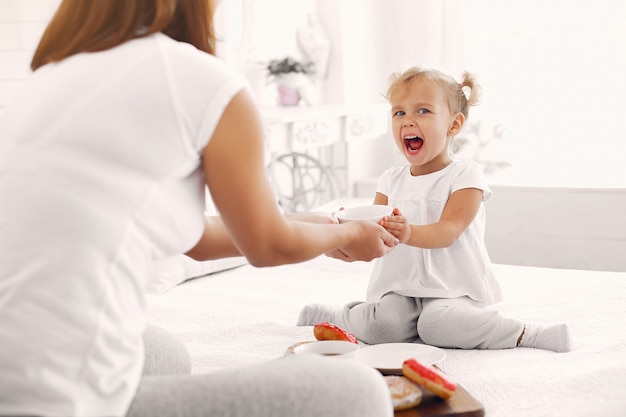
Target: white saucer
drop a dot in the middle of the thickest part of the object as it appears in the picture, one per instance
(388, 357)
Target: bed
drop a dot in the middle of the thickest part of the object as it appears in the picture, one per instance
(232, 314)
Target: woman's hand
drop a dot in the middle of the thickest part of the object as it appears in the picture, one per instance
(370, 242)
(397, 225)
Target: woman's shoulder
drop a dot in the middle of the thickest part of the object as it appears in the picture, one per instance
(195, 71)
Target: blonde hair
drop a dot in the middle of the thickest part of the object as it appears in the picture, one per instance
(454, 92)
(96, 25)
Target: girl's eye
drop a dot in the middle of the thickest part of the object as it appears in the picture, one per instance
(399, 113)
(423, 111)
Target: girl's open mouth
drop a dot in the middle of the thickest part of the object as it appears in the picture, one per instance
(413, 143)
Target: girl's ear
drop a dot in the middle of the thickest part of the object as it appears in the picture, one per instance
(457, 124)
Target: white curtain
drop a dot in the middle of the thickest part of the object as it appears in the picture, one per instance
(372, 38)
(427, 32)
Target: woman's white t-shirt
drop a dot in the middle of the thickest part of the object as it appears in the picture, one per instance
(100, 173)
(462, 269)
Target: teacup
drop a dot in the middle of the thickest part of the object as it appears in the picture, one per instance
(374, 212)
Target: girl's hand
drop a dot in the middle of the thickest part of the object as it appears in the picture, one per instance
(397, 225)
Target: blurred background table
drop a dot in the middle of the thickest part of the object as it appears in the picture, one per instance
(307, 149)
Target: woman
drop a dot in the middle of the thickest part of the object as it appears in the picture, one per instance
(105, 155)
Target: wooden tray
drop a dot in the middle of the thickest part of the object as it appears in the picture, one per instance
(461, 404)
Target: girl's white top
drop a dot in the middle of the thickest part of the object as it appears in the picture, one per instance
(100, 174)
(462, 269)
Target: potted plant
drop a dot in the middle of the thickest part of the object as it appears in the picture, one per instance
(292, 79)
(288, 65)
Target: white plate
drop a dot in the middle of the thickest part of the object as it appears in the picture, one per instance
(388, 357)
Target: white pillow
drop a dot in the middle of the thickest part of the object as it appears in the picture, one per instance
(175, 270)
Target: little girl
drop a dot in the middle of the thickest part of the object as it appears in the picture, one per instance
(438, 285)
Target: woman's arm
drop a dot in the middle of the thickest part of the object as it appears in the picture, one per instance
(234, 168)
(458, 213)
(216, 242)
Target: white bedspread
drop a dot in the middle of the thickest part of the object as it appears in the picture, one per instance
(248, 315)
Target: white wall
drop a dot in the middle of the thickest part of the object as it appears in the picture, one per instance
(21, 24)
(555, 88)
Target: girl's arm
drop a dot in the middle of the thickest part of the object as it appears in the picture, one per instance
(234, 168)
(458, 213)
(381, 199)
